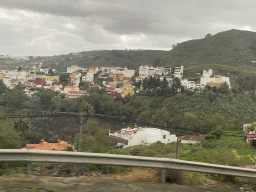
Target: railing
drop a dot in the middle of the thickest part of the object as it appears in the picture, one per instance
(18, 155)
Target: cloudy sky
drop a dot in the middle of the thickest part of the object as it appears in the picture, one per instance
(53, 27)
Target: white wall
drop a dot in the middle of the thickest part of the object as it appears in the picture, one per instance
(148, 136)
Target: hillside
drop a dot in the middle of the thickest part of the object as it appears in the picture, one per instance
(122, 58)
(233, 48)
(230, 51)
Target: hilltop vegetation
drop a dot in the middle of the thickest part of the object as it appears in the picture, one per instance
(233, 48)
(119, 58)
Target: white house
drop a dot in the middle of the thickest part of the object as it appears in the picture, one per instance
(72, 69)
(207, 73)
(147, 136)
(89, 77)
(178, 72)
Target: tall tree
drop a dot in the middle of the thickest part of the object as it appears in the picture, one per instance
(22, 126)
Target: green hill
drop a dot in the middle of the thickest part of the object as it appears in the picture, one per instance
(233, 48)
(122, 58)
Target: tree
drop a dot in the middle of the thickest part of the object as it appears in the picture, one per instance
(45, 97)
(3, 88)
(15, 98)
(22, 126)
(208, 35)
(176, 86)
(64, 79)
(86, 109)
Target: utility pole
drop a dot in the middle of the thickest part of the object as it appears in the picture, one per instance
(81, 127)
(177, 145)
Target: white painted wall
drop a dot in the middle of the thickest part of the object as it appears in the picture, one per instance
(148, 136)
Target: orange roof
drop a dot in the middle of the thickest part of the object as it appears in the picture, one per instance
(69, 86)
(48, 146)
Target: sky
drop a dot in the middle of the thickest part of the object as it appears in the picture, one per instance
(54, 27)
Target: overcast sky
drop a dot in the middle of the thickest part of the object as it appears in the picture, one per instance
(54, 27)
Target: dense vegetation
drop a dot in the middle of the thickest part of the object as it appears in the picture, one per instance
(233, 48)
(113, 58)
(199, 112)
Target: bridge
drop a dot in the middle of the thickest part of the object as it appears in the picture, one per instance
(26, 155)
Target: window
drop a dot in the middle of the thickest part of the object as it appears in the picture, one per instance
(164, 136)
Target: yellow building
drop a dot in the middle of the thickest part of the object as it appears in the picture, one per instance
(218, 79)
(93, 69)
(118, 77)
(50, 78)
(2, 76)
(70, 88)
(127, 90)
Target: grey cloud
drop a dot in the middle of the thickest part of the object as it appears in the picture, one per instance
(145, 23)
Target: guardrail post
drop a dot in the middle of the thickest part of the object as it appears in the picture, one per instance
(163, 175)
(28, 168)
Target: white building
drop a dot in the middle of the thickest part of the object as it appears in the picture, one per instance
(129, 73)
(143, 71)
(147, 136)
(74, 68)
(178, 72)
(205, 80)
(207, 73)
(144, 136)
(146, 71)
(89, 77)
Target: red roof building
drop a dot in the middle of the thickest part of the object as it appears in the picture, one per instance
(48, 146)
(190, 139)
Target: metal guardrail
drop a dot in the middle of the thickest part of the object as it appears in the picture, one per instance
(18, 155)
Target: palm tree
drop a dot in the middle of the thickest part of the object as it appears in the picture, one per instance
(87, 109)
(22, 126)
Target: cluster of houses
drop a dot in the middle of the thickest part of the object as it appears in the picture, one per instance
(206, 79)
(37, 77)
(147, 136)
(129, 136)
(120, 84)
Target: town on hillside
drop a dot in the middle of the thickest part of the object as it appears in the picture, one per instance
(118, 81)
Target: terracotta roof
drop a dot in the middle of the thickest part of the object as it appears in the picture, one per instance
(251, 136)
(191, 137)
(70, 86)
(48, 146)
